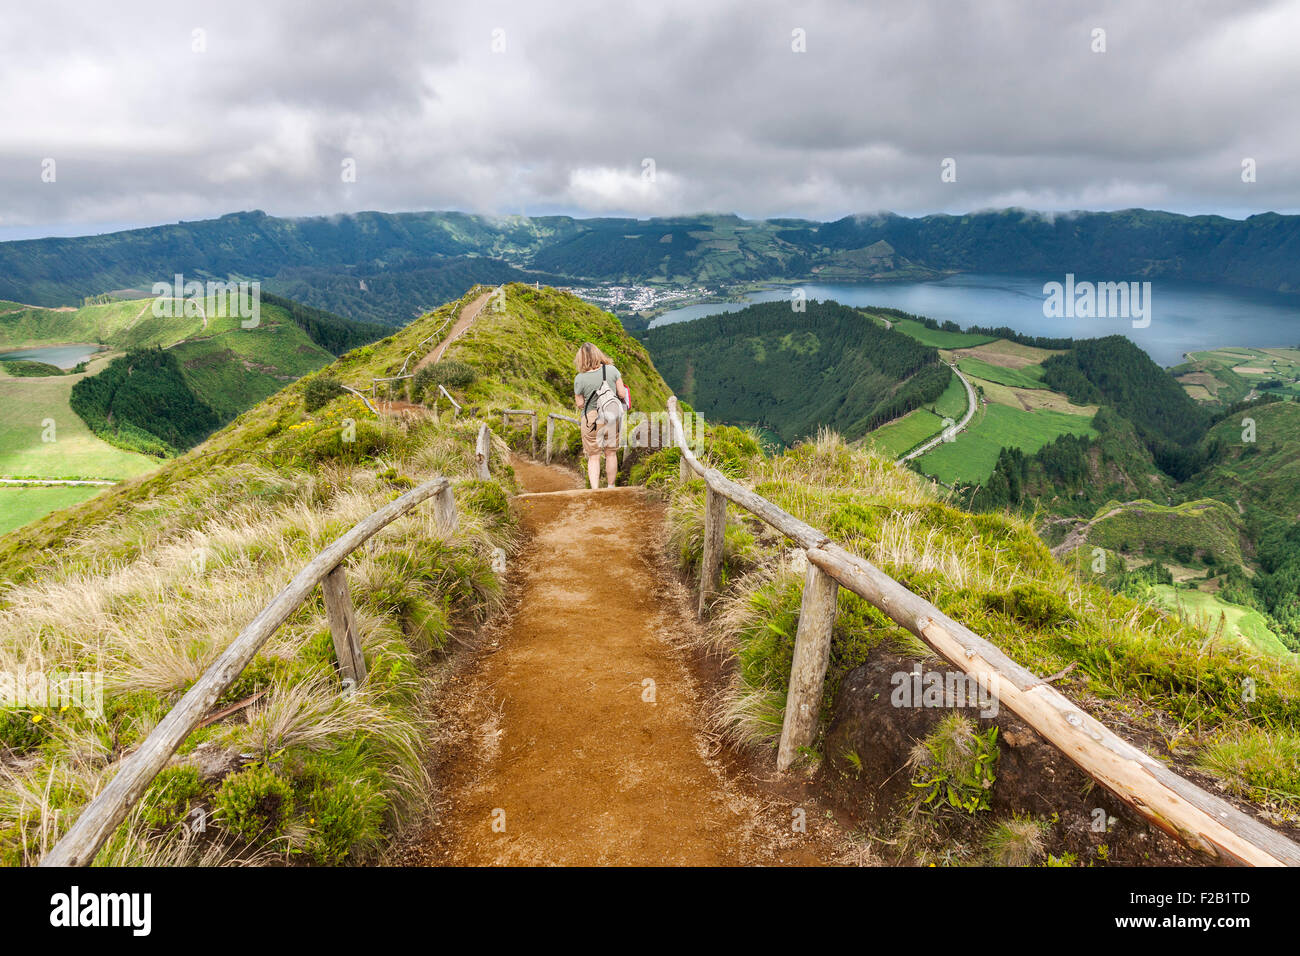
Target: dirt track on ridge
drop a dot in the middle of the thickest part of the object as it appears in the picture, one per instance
(555, 756)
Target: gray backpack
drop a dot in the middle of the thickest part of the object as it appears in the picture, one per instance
(605, 401)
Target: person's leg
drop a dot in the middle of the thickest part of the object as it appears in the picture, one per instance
(611, 466)
(593, 471)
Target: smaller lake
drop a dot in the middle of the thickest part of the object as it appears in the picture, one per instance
(61, 356)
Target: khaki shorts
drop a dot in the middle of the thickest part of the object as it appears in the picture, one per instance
(602, 438)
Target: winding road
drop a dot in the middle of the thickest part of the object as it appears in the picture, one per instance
(949, 434)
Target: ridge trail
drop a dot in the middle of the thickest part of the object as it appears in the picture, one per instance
(548, 729)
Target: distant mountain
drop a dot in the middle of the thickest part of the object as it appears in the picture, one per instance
(387, 267)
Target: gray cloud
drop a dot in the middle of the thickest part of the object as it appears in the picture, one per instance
(143, 129)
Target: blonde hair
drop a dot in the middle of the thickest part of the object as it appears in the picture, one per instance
(590, 357)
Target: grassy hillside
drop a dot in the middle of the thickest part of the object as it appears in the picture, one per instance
(1192, 531)
(972, 457)
(1137, 668)
(220, 370)
(792, 373)
(152, 579)
(1265, 472)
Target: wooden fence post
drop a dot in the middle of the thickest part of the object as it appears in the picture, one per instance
(343, 626)
(444, 509)
(812, 652)
(683, 469)
(715, 526)
(550, 435)
(532, 435)
(483, 451)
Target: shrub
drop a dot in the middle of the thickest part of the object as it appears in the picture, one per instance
(344, 814)
(449, 373)
(254, 804)
(320, 391)
(172, 795)
(21, 730)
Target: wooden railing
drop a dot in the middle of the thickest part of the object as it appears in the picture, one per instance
(551, 419)
(103, 814)
(1196, 818)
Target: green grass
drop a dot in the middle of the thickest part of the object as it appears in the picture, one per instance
(1210, 613)
(20, 505)
(972, 457)
(75, 452)
(1204, 525)
(93, 323)
(1031, 376)
(902, 434)
(940, 339)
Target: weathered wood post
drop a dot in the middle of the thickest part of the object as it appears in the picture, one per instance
(444, 509)
(683, 469)
(343, 626)
(715, 526)
(532, 433)
(812, 653)
(550, 435)
(483, 451)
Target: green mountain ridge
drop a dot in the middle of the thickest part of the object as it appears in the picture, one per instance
(386, 266)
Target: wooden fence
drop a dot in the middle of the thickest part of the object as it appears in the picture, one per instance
(1198, 819)
(102, 816)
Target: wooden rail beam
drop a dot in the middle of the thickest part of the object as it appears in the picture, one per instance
(103, 814)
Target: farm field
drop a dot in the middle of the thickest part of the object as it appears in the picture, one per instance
(75, 452)
(972, 457)
(1225, 375)
(18, 506)
(1028, 376)
(939, 338)
(1208, 611)
(1007, 354)
(1030, 399)
(896, 437)
(900, 435)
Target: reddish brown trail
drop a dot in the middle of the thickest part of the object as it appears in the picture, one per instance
(577, 735)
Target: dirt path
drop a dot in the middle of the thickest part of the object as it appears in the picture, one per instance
(561, 752)
(466, 319)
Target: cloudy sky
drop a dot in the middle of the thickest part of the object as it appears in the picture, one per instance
(157, 111)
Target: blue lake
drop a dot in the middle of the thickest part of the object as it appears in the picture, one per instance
(1185, 316)
(62, 356)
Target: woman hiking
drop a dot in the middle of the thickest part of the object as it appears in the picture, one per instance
(601, 399)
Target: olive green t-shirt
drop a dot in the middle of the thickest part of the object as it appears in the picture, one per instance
(586, 383)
